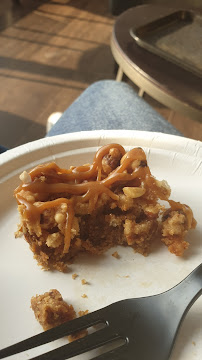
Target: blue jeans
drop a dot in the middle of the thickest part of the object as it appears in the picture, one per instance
(109, 104)
(2, 149)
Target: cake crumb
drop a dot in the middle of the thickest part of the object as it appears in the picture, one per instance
(78, 335)
(126, 276)
(51, 310)
(84, 282)
(74, 276)
(84, 296)
(82, 313)
(116, 255)
(193, 342)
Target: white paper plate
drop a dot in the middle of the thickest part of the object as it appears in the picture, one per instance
(176, 159)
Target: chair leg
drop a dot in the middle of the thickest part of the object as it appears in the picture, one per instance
(171, 115)
(119, 75)
(141, 92)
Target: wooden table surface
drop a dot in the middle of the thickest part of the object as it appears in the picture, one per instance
(164, 81)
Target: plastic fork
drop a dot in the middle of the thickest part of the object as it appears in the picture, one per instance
(148, 326)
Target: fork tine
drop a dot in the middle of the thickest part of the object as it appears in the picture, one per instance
(116, 354)
(80, 346)
(55, 333)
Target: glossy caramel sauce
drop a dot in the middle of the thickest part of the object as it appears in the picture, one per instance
(82, 184)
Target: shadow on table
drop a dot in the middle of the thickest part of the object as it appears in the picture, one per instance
(16, 130)
(95, 7)
(99, 57)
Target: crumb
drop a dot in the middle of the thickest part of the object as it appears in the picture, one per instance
(126, 276)
(74, 276)
(84, 282)
(77, 335)
(193, 342)
(51, 310)
(82, 313)
(116, 255)
(84, 296)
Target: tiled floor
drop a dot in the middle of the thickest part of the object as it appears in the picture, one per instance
(50, 51)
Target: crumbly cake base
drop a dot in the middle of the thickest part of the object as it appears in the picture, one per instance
(98, 233)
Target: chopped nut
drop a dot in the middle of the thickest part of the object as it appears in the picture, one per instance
(82, 313)
(84, 296)
(115, 153)
(135, 164)
(152, 210)
(28, 196)
(42, 178)
(54, 240)
(163, 185)
(60, 217)
(74, 276)
(75, 227)
(64, 207)
(134, 192)
(19, 232)
(25, 177)
(116, 255)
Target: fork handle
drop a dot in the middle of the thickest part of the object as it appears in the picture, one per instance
(187, 291)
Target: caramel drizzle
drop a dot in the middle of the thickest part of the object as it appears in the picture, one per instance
(191, 222)
(85, 183)
(33, 213)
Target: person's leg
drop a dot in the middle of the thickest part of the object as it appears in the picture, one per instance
(2, 149)
(108, 105)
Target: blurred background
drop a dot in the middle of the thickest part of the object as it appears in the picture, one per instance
(50, 51)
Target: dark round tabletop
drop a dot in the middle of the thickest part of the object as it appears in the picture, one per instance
(174, 82)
